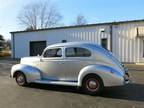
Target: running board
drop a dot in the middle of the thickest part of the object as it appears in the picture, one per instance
(56, 82)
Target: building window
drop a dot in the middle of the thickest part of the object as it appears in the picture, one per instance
(104, 43)
(77, 52)
(64, 41)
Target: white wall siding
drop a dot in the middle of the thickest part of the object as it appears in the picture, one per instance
(126, 44)
(90, 34)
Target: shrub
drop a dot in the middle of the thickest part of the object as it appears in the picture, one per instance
(5, 53)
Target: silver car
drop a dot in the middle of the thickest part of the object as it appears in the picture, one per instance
(80, 64)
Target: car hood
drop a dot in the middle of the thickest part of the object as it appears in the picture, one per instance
(28, 60)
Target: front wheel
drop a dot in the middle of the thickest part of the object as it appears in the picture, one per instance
(92, 84)
(20, 79)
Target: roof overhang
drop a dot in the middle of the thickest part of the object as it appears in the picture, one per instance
(76, 26)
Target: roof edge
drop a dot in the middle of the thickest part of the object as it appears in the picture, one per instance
(76, 26)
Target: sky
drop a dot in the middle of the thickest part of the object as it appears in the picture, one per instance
(95, 11)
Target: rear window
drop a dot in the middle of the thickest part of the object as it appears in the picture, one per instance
(77, 52)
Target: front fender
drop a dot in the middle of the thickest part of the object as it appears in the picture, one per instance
(31, 73)
(109, 75)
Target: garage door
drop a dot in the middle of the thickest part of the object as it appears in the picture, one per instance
(37, 47)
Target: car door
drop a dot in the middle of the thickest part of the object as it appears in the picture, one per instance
(51, 64)
(76, 58)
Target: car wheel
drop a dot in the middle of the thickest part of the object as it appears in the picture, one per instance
(20, 79)
(92, 85)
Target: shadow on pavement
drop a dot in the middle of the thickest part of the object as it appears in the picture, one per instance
(59, 88)
(131, 92)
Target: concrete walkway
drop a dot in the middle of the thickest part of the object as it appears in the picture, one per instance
(139, 67)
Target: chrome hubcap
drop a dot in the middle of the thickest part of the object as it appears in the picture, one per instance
(20, 79)
(92, 85)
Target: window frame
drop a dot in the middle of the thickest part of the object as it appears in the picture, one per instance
(62, 50)
(77, 56)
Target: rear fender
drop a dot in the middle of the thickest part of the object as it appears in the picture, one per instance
(31, 73)
(109, 76)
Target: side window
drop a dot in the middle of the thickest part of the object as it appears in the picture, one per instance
(77, 52)
(53, 53)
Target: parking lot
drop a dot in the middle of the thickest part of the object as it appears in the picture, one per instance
(40, 96)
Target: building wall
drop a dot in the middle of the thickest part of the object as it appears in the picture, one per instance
(90, 34)
(126, 46)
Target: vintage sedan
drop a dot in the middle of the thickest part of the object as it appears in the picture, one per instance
(85, 65)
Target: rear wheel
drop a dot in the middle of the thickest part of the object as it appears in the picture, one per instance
(92, 84)
(20, 79)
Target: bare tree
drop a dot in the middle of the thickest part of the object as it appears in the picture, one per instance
(8, 43)
(38, 15)
(2, 37)
(80, 20)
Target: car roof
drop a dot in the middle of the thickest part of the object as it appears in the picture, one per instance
(70, 44)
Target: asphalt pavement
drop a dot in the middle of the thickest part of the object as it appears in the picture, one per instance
(48, 96)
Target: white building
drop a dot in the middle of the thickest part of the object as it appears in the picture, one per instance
(125, 39)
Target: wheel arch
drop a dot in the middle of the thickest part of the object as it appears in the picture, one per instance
(104, 72)
(16, 72)
(31, 73)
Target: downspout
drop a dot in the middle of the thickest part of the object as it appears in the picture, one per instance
(13, 44)
(111, 37)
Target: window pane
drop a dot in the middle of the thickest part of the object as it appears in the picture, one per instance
(77, 52)
(70, 52)
(53, 53)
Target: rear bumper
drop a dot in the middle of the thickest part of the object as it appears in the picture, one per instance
(126, 82)
(126, 77)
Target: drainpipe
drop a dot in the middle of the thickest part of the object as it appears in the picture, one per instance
(111, 37)
(13, 44)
